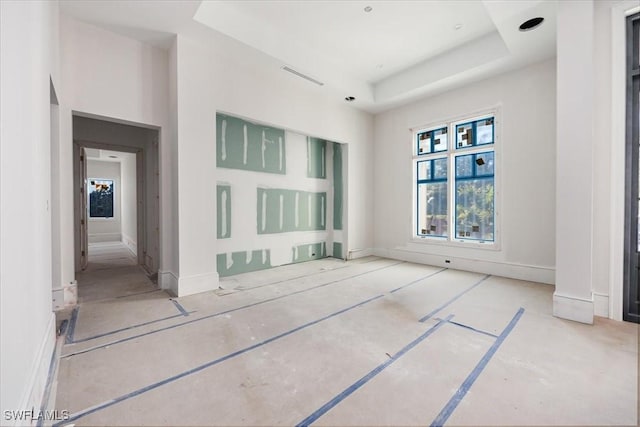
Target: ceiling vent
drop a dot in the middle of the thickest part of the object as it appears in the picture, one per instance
(304, 76)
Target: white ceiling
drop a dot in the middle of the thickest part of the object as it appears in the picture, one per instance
(107, 155)
(398, 52)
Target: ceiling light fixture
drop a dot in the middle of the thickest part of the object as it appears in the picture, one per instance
(457, 26)
(531, 24)
(350, 98)
(368, 9)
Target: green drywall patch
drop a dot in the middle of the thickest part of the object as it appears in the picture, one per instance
(308, 252)
(244, 145)
(337, 250)
(281, 211)
(316, 157)
(337, 186)
(223, 211)
(233, 263)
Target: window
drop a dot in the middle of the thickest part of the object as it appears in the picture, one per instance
(100, 198)
(455, 181)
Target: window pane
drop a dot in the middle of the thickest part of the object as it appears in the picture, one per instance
(432, 209)
(424, 142)
(424, 170)
(475, 209)
(100, 198)
(440, 169)
(484, 131)
(440, 140)
(464, 135)
(464, 166)
(484, 164)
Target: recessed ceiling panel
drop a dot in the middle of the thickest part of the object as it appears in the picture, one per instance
(368, 46)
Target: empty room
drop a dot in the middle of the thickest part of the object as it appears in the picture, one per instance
(338, 213)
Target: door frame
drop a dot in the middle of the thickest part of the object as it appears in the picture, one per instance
(81, 231)
(147, 189)
(631, 288)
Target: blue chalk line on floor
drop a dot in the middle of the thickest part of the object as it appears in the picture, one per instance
(123, 340)
(455, 298)
(455, 400)
(365, 379)
(192, 371)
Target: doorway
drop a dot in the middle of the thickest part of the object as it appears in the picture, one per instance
(116, 204)
(632, 215)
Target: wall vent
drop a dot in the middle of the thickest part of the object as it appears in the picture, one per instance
(304, 76)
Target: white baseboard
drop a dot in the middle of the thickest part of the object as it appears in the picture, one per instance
(197, 283)
(600, 304)
(58, 299)
(130, 243)
(168, 281)
(513, 271)
(105, 237)
(570, 308)
(359, 253)
(35, 387)
(70, 294)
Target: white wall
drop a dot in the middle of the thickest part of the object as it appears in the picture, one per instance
(591, 72)
(244, 203)
(128, 200)
(112, 76)
(574, 214)
(525, 191)
(226, 76)
(106, 229)
(28, 42)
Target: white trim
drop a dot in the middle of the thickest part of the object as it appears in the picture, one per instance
(197, 283)
(168, 281)
(130, 243)
(618, 104)
(33, 393)
(600, 304)
(358, 253)
(570, 308)
(104, 237)
(70, 293)
(532, 273)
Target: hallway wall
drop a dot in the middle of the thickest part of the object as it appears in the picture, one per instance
(28, 63)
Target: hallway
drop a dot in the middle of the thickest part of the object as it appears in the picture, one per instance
(112, 272)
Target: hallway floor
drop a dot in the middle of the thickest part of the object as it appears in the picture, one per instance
(367, 342)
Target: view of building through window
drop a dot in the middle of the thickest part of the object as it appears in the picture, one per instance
(455, 183)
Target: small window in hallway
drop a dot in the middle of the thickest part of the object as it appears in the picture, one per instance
(100, 198)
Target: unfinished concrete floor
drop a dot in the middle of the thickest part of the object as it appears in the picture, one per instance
(366, 342)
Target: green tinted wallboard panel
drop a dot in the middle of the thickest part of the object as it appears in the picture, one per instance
(249, 146)
(316, 157)
(281, 211)
(224, 211)
(308, 252)
(230, 264)
(337, 186)
(337, 250)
